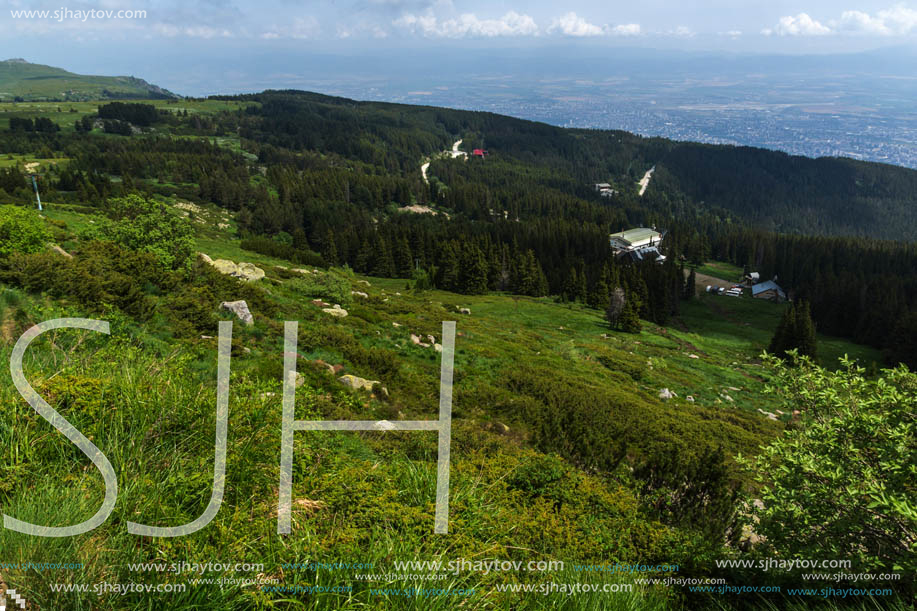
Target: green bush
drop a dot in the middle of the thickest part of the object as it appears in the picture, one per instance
(843, 483)
(21, 230)
(147, 226)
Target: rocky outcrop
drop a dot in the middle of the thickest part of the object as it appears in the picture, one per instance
(240, 309)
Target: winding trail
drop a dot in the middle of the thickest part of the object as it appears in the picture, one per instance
(455, 152)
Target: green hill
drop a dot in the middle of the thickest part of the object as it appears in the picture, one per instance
(573, 440)
(25, 81)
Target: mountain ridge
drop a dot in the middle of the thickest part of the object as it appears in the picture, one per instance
(22, 80)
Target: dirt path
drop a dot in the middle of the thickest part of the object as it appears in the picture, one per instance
(645, 181)
(455, 152)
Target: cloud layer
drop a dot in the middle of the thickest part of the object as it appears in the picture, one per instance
(898, 20)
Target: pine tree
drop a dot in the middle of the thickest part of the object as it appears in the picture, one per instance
(474, 271)
(570, 286)
(404, 262)
(805, 330)
(449, 268)
(796, 330)
(783, 336)
(629, 321)
(329, 249)
(598, 297)
(581, 286)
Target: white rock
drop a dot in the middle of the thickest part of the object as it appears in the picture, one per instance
(337, 311)
(666, 394)
(240, 309)
(360, 294)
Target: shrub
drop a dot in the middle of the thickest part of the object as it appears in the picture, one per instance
(147, 226)
(842, 484)
(21, 230)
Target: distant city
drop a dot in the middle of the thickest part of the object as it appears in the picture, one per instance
(865, 110)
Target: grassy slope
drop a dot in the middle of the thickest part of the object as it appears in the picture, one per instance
(148, 402)
(36, 81)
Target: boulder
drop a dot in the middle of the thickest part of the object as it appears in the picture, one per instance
(248, 272)
(360, 294)
(693, 356)
(337, 311)
(464, 311)
(240, 309)
(224, 266)
(438, 347)
(205, 258)
(689, 399)
(352, 381)
(417, 341)
(243, 271)
(366, 282)
(665, 394)
(320, 304)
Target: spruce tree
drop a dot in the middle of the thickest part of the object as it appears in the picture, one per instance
(806, 341)
(474, 271)
(629, 321)
(329, 249)
(581, 286)
(598, 297)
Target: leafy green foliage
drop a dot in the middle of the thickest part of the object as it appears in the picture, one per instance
(21, 230)
(147, 226)
(843, 482)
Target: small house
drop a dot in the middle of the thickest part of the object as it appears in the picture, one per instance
(769, 290)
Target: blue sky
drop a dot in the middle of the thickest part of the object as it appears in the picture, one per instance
(176, 37)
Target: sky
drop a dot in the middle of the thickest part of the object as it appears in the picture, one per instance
(179, 43)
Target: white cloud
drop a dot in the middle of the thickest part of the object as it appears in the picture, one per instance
(572, 24)
(683, 32)
(627, 29)
(800, 25)
(298, 28)
(510, 24)
(169, 30)
(896, 21)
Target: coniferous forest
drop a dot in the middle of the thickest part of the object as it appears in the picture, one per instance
(608, 410)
